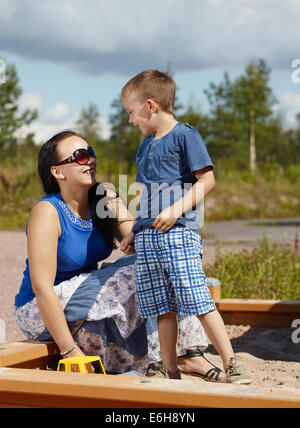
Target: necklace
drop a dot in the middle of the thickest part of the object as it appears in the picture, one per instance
(85, 216)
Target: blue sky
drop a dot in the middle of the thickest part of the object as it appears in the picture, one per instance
(69, 53)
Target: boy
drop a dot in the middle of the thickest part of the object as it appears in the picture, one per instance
(177, 173)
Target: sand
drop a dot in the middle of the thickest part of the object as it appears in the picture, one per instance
(269, 355)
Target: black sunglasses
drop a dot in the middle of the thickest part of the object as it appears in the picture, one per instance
(80, 156)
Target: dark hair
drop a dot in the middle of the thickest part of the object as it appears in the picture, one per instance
(47, 159)
(153, 84)
(108, 226)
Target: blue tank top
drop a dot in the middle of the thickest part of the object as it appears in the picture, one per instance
(80, 248)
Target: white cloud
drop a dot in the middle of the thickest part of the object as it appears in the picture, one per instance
(105, 129)
(288, 107)
(8, 9)
(118, 36)
(49, 122)
(57, 114)
(31, 101)
(44, 130)
(53, 120)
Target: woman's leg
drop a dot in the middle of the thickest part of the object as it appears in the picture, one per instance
(198, 365)
(215, 329)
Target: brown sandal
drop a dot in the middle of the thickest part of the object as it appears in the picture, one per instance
(159, 371)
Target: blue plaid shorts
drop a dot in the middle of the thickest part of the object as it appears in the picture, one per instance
(170, 277)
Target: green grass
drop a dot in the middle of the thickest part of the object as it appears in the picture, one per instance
(269, 193)
(266, 194)
(268, 271)
(19, 190)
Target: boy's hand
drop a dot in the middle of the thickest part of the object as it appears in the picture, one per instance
(166, 219)
(127, 244)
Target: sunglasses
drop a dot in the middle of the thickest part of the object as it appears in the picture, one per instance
(80, 156)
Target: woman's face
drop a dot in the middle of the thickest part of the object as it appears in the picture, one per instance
(74, 173)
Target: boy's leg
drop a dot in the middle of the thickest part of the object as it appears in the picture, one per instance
(168, 333)
(215, 329)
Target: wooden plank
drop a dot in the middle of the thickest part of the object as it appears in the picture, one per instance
(28, 354)
(215, 291)
(259, 313)
(34, 388)
(264, 313)
(253, 305)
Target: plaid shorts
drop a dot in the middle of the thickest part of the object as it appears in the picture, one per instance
(170, 277)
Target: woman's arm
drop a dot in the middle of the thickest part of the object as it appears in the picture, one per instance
(119, 210)
(43, 233)
(125, 221)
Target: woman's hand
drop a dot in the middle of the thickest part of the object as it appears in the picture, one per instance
(127, 244)
(76, 352)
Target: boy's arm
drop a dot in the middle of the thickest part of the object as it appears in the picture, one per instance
(205, 184)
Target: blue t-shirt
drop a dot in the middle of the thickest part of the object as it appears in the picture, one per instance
(165, 168)
(80, 248)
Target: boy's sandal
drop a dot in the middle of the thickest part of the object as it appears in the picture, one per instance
(236, 374)
(160, 372)
(213, 375)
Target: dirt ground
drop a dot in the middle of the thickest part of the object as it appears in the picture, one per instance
(269, 355)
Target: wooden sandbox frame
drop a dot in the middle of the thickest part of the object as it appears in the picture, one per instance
(22, 386)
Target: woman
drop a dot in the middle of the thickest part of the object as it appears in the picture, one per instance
(64, 296)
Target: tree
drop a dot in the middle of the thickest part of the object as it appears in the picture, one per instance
(88, 125)
(125, 139)
(254, 100)
(290, 151)
(10, 119)
(240, 114)
(197, 119)
(223, 138)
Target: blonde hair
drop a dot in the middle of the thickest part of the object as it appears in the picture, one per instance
(153, 84)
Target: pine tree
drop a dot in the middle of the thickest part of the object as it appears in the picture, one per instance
(125, 139)
(241, 112)
(88, 125)
(10, 119)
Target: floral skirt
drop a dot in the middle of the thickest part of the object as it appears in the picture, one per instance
(102, 311)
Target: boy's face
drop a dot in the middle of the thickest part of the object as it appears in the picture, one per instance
(139, 113)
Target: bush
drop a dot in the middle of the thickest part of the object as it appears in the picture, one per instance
(268, 271)
(18, 192)
(268, 193)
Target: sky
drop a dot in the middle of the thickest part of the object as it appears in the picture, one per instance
(70, 53)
